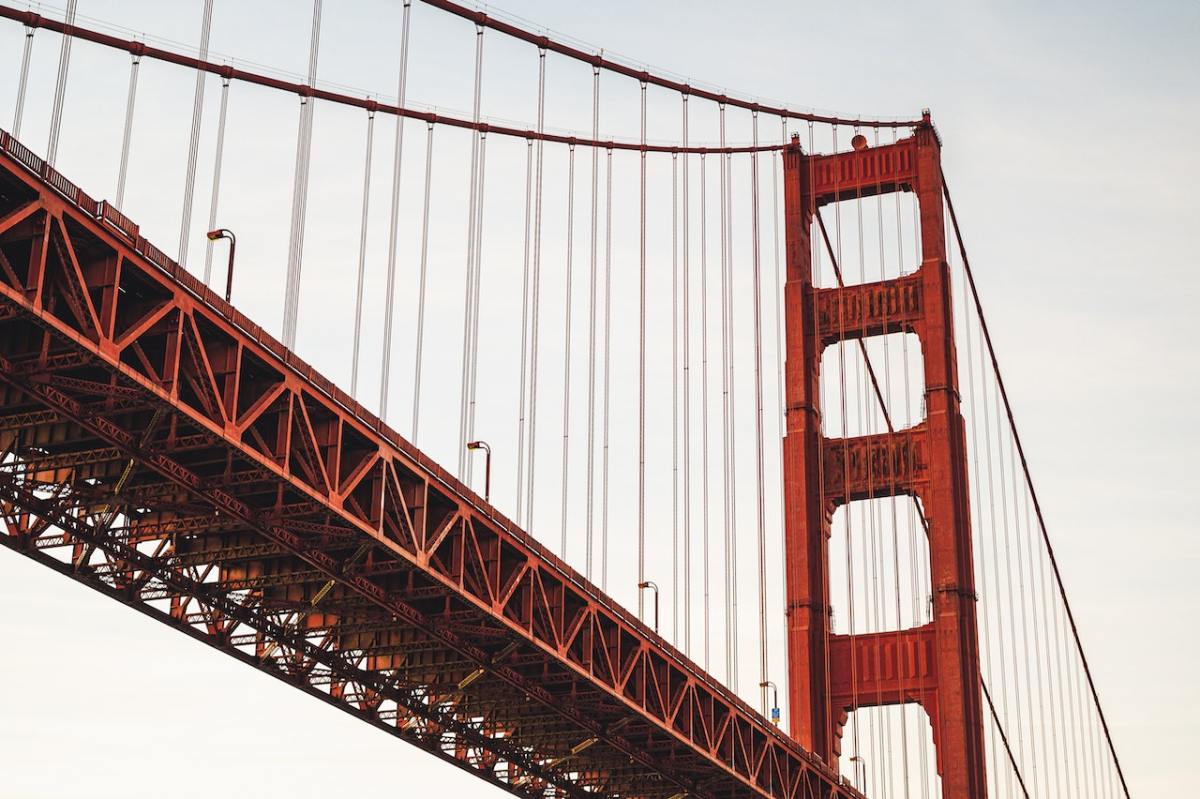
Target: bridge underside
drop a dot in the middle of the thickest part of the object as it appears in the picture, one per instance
(160, 448)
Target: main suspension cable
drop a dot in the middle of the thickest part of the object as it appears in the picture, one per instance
(189, 181)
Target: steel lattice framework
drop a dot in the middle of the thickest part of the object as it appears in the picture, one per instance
(163, 449)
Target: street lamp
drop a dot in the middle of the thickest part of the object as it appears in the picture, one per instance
(775, 700)
(858, 760)
(487, 467)
(652, 584)
(225, 233)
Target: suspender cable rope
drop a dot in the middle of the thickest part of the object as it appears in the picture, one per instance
(687, 407)
(758, 423)
(566, 435)
(300, 191)
(522, 393)
(421, 298)
(537, 287)
(591, 422)
(23, 81)
(214, 200)
(394, 217)
(127, 135)
(730, 484)
(60, 86)
(189, 181)
(362, 253)
(675, 553)
(607, 364)
(704, 396)
(1029, 484)
(473, 371)
(641, 561)
(464, 434)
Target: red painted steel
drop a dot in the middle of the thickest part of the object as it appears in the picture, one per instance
(936, 665)
(158, 446)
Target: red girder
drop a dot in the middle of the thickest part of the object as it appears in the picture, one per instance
(599, 700)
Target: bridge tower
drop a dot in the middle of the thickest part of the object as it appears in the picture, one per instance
(936, 664)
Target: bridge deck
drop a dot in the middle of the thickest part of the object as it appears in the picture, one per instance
(163, 449)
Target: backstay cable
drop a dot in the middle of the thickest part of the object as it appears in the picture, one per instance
(189, 181)
(389, 298)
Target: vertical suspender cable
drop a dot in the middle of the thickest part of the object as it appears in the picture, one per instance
(522, 393)
(473, 370)
(127, 134)
(362, 253)
(687, 410)
(418, 360)
(394, 218)
(591, 423)
(570, 263)
(607, 365)
(675, 554)
(726, 428)
(469, 293)
(641, 562)
(22, 82)
(215, 199)
(60, 86)
(704, 398)
(537, 284)
(758, 422)
(300, 190)
(189, 181)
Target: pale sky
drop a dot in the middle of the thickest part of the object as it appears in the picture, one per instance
(1067, 142)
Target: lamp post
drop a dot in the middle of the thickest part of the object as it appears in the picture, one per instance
(654, 585)
(775, 700)
(487, 467)
(858, 760)
(225, 233)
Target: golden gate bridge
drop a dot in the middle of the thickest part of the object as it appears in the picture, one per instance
(798, 306)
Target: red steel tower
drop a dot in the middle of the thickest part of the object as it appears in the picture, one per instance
(935, 664)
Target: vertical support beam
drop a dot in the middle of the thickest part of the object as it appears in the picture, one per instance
(959, 732)
(954, 701)
(806, 514)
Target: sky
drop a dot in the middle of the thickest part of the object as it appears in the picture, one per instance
(1066, 130)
